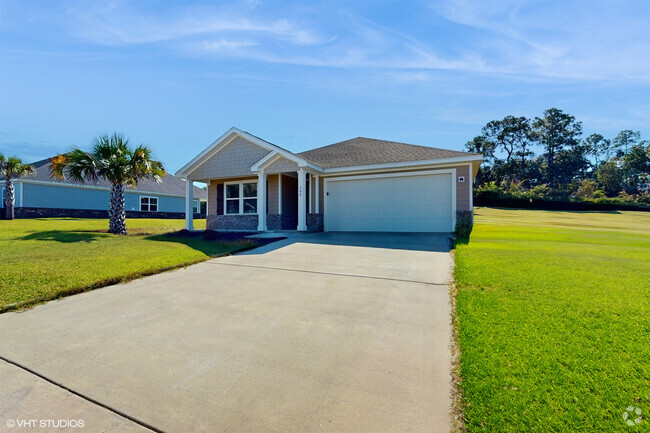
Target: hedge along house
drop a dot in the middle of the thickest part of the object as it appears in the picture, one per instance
(41, 196)
(355, 185)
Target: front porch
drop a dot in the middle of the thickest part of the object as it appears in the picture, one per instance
(289, 201)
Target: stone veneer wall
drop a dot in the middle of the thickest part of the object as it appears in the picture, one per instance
(36, 212)
(315, 222)
(246, 223)
(281, 222)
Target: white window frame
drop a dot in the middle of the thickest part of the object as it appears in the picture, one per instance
(241, 197)
(196, 206)
(149, 198)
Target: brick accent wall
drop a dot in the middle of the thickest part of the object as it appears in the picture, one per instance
(246, 223)
(315, 222)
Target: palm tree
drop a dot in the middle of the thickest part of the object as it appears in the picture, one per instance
(12, 168)
(114, 160)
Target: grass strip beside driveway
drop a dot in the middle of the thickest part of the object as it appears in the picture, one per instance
(47, 258)
(554, 320)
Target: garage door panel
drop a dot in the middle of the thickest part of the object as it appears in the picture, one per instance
(420, 203)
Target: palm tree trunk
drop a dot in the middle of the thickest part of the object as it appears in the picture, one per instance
(116, 213)
(9, 198)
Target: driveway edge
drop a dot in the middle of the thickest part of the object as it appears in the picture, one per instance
(457, 412)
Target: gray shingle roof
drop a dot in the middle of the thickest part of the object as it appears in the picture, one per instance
(368, 151)
(169, 185)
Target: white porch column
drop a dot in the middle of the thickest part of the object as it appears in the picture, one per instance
(189, 197)
(302, 225)
(317, 194)
(311, 191)
(261, 201)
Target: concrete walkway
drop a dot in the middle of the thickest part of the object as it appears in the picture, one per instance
(331, 333)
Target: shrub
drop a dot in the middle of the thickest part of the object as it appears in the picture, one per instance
(586, 189)
(464, 224)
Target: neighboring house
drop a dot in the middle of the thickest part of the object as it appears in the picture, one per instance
(41, 196)
(355, 185)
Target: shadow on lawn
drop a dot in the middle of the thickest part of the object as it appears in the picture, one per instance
(212, 243)
(63, 236)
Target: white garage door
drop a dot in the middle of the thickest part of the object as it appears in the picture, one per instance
(399, 203)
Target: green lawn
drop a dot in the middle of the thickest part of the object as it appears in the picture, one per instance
(554, 320)
(41, 259)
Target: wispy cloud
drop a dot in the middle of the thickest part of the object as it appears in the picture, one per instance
(119, 23)
(528, 40)
(566, 39)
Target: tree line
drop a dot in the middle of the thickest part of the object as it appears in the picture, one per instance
(568, 165)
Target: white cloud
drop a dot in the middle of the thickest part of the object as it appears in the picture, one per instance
(596, 40)
(528, 40)
(121, 24)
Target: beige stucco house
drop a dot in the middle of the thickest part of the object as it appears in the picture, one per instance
(360, 184)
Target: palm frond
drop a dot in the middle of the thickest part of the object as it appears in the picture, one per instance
(57, 167)
(143, 166)
(14, 167)
(81, 167)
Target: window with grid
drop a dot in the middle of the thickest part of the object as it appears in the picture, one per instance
(241, 198)
(148, 204)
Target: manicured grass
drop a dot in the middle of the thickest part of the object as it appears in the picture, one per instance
(554, 320)
(45, 258)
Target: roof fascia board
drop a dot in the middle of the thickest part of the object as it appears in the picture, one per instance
(458, 159)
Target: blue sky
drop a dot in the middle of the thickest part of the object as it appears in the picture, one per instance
(176, 75)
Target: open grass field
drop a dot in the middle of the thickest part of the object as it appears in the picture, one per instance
(554, 320)
(41, 259)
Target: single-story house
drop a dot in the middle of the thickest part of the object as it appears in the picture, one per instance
(360, 184)
(39, 195)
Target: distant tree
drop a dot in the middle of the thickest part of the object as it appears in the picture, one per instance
(514, 136)
(624, 141)
(12, 168)
(114, 160)
(598, 147)
(485, 147)
(610, 178)
(556, 131)
(571, 164)
(636, 168)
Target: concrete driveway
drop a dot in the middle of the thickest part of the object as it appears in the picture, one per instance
(321, 333)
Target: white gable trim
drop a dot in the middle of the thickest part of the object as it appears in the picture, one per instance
(230, 135)
(406, 164)
(266, 161)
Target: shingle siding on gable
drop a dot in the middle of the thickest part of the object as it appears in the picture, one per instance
(233, 160)
(282, 165)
